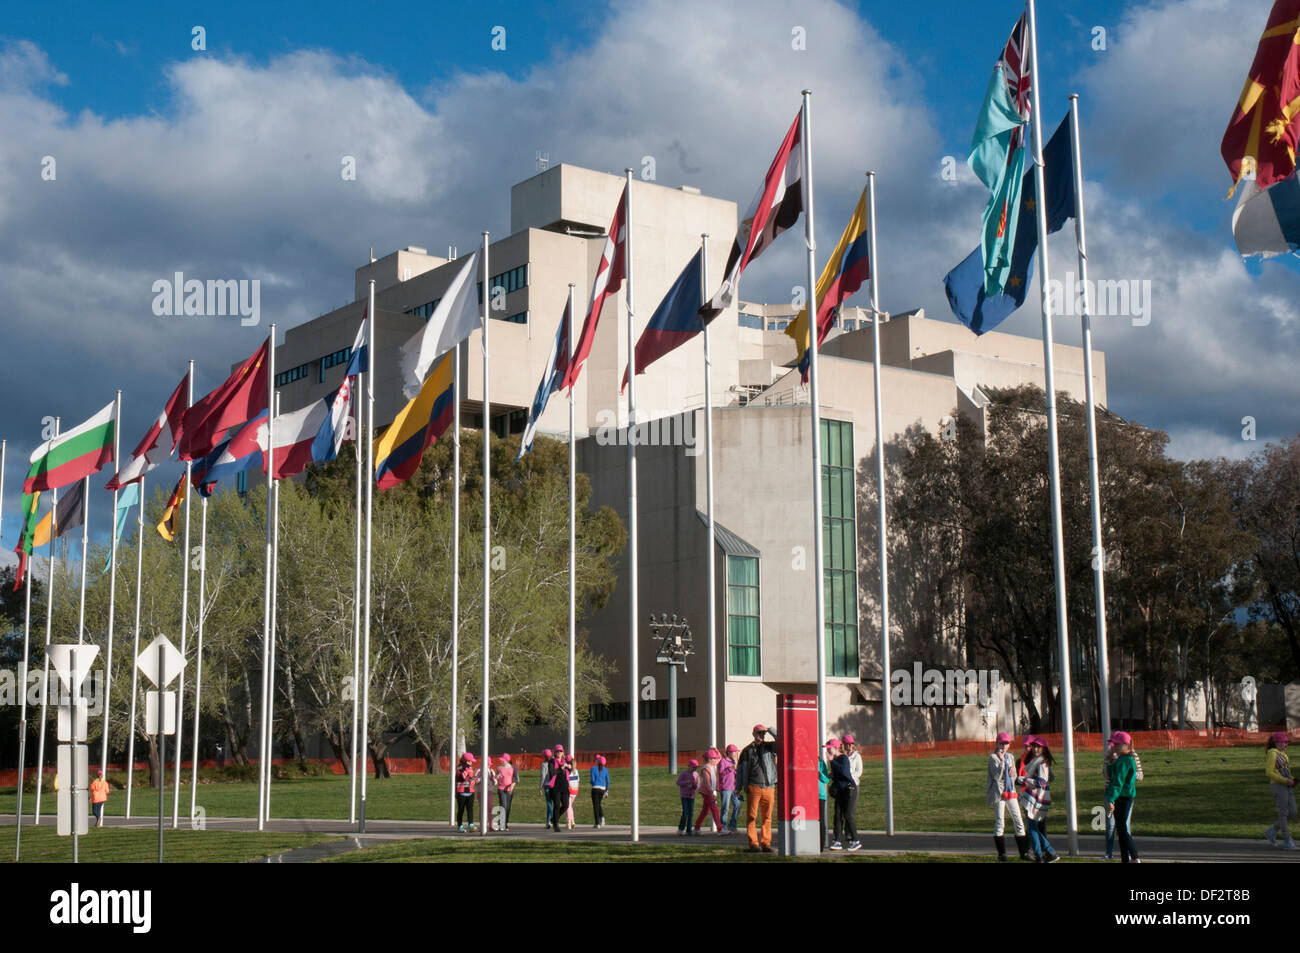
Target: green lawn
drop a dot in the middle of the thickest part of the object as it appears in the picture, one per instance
(115, 845)
(1197, 793)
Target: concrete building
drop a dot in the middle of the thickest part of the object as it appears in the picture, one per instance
(762, 446)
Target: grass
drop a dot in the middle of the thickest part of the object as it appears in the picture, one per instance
(118, 846)
(1192, 793)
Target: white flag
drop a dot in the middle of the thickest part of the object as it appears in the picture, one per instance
(452, 321)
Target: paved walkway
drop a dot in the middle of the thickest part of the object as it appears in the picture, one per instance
(1153, 849)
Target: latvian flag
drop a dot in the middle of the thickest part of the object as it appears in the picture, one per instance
(73, 455)
(775, 208)
(609, 278)
(162, 432)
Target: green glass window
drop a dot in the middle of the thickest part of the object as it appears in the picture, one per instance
(742, 615)
(839, 534)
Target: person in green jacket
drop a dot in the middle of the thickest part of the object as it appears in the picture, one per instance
(1120, 793)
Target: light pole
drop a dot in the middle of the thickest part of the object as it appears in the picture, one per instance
(677, 643)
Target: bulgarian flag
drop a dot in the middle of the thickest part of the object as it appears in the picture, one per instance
(73, 455)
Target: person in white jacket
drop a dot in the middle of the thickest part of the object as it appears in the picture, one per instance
(1003, 798)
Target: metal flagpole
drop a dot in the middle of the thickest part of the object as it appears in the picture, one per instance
(185, 620)
(885, 667)
(372, 363)
(573, 560)
(112, 590)
(1085, 318)
(85, 543)
(487, 541)
(268, 458)
(455, 584)
(356, 607)
(633, 666)
(708, 497)
(275, 620)
(45, 677)
(22, 718)
(1053, 451)
(818, 547)
(198, 652)
(135, 651)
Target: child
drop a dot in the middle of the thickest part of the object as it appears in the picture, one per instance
(687, 784)
(829, 751)
(1120, 792)
(1002, 798)
(1282, 784)
(1036, 798)
(1108, 759)
(599, 788)
(506, 779)
(708, 789)
(466, 778)
(729, 797)
(572, 772)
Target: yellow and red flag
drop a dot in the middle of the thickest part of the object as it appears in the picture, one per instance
(1262, 134)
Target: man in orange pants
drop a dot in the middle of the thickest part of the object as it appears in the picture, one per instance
(756, 775)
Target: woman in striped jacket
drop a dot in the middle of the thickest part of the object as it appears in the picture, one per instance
(1036, 798)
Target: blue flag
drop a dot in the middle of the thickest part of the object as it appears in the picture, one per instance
(965, 283)
(127, 497)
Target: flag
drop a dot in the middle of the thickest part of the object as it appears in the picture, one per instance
(417, 425)
(1262, 134)
(164, 431)
(965, 283)
(775, 207)
(64, 516)
(74, 454)
(359, 359)
(676, 320)
(172, 512)
(310, 435)
(127, 498)
(848, 266)
(552, 380)
(609, 278)
(1266, 222)
(25, 535)
(239, 451)
(451, 322)
(997, 155)
(242, 397)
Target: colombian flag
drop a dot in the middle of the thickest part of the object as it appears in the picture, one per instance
(417, 425)
(847, 268)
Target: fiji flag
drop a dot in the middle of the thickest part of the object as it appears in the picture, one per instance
(965, 283)
(676, 320)
(552, 380)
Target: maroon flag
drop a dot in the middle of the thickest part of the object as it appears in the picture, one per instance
(242, 397)
(774, 209)
(1263, 134)
(144, 458)
(609, 278)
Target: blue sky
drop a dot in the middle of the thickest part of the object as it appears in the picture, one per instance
(225, 162)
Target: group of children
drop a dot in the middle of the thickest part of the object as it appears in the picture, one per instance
(559, 788)
(715, 783)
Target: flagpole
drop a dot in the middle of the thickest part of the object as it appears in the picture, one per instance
(484, 740)
(275, 619)
(633, 658)
(49, 619)
(356, 609)
(818, 547)
(712, 733)
(185, 621)
(885, 667)
(198, 651)
(112, 589)
(268, 459)
(22, 718)
(371, 363)
(573, 574)
(1058, 546)
(135, 651)
(453, 743)
(1085, 318)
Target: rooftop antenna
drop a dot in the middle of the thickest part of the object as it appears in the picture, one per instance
(372, 254)
(451, 252)
(543, 160)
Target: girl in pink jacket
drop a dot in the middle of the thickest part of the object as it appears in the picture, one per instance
(708, 789)
(688, 782)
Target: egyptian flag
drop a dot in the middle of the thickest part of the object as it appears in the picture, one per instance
(161, 434)
(1262, 134)
(844, 272)
(73, 455)
(775, 208)
(552, 380)
(171, 513)
(676, 320)
(609, 278)
(420, 423)
(242, 397)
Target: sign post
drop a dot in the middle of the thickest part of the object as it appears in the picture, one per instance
(797, 808)
(161, 663)
(72, 663)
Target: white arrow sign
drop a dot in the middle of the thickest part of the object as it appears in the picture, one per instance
(61, 658)
(147, 662)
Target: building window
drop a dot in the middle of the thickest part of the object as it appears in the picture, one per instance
(656, 710)
(751, 321)
(742, 616)
(782, 325)
(293, 374)
(241, 482)
(513, 280)
(333, 360)
(520, 318)
(839, 538)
